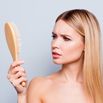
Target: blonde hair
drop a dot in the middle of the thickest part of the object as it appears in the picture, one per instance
(86, 24)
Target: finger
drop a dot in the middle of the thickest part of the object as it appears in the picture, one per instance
(17, 69)
(11, 77)
(17, 63)
(17, 75)
(8, 76)
(22, 79)
(17, 82)
(20, 74)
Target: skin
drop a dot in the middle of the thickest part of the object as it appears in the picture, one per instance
(16, 76)
(64, 86)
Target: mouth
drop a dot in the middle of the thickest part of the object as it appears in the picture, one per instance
(55, 55)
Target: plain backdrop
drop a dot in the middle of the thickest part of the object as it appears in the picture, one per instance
(35, 21)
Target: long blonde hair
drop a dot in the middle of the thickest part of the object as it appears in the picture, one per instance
(86, 24)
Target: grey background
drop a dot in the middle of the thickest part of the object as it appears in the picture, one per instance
(35, 20)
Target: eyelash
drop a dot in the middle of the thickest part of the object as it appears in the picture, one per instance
(65, 38)
(54, 36)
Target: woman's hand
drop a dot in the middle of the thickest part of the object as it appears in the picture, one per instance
(17, 75)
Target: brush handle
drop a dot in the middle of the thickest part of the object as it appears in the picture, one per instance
(23, 84)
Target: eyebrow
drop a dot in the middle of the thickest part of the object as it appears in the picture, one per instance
(62, 34)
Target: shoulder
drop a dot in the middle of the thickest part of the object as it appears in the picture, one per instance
(37, 81)
(41, 84)
(43, 81)
(38, 85)
(37, 88)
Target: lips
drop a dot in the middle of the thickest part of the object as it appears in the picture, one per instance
(55, 55)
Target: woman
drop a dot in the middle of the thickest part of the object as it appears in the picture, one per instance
(76, 47)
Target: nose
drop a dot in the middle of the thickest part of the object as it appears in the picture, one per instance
(56, 43)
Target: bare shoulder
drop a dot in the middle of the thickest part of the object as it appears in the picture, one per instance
(44, 81)
(37, 88)
(39, 84)
(38, 81)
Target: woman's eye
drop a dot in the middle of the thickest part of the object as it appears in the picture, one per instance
(54, 36)
(66, 39)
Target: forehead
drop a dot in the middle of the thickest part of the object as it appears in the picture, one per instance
(61, 27)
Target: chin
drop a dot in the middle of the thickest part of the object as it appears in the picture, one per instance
(57, 62)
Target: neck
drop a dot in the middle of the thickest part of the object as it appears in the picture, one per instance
(73, 71)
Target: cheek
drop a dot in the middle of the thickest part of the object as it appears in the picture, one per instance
(74, 51)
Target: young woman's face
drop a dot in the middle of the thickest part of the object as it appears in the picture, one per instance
(67, 45)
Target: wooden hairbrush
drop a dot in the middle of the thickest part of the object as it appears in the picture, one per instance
(12, 42)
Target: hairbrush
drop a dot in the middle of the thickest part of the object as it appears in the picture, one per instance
(11, 35)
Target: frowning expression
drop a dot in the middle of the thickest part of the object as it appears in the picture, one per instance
(67, 45)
